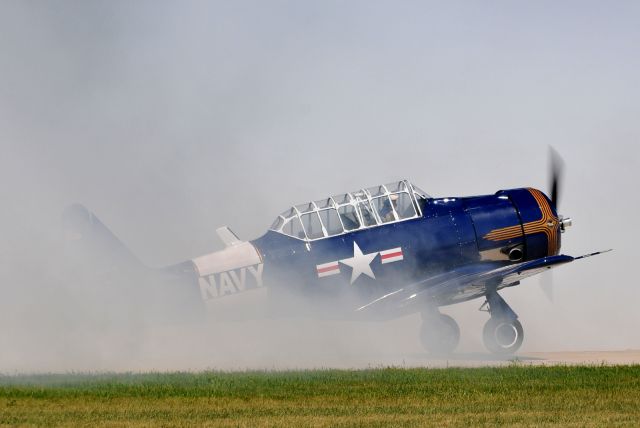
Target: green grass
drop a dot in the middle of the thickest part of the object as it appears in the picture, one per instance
(514, 396)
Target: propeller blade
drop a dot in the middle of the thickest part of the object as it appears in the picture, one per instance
(556, 170)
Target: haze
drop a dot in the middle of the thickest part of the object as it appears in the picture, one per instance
(169, 119)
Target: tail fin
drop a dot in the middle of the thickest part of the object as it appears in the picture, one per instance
(100, 260)
(89, 240)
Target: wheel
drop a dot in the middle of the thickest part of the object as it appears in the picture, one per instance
(439, 334)
(502, 336)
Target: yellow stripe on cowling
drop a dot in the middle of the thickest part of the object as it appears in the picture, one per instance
(547, 224)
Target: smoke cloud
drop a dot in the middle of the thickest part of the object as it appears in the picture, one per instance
(169, 120)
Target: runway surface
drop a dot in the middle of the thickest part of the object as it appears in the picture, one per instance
(480, 359)
(625, 357)
(276, 345)
(629, 356)
(329, 360)
(528, 358)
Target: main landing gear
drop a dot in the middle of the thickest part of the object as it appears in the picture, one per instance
(502, 333)
(439, 333)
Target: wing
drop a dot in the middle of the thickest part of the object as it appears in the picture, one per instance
(464, 283)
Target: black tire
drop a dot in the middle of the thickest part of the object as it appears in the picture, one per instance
(502, 336)
(439, 334)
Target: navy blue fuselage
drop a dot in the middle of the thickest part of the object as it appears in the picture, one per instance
(509, 227)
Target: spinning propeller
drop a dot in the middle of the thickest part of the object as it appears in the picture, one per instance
(556, 171)
(556, 167)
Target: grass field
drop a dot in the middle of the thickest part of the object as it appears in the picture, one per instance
(515, 395)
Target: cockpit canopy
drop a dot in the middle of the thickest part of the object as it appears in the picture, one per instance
(347, 212)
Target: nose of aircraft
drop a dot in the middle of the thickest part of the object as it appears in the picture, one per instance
(565, 222)
(540, 223)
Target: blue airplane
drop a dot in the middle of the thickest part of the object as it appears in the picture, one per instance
(376, 253)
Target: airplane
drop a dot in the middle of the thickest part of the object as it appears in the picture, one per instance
(376, 253)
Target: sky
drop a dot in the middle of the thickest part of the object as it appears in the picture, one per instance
(170, 119)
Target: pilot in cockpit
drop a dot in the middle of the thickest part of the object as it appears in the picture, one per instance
(386, 212)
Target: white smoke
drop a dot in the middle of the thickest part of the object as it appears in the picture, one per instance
(170, 120)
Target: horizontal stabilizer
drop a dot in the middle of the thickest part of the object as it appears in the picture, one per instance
(227, 236)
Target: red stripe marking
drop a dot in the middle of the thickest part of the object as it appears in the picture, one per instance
(388, 256)
(327, 269)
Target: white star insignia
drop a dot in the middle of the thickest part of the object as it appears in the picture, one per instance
(360, 263)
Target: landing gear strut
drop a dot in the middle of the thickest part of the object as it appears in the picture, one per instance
(503, 333)
(439, 333)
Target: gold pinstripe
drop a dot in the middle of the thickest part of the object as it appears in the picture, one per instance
(547, 224)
